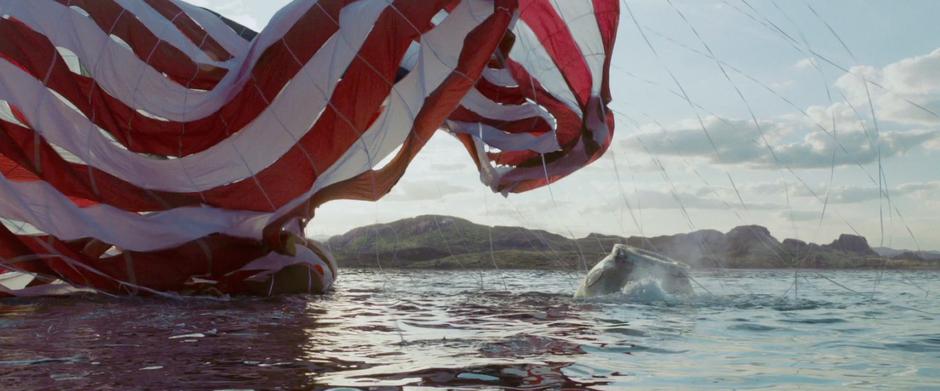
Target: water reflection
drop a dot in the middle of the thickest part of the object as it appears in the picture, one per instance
(442, 331)
(454, 339)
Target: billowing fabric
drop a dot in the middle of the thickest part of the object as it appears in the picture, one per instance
(151, 146)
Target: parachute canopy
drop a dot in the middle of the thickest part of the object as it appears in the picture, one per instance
(151, 146)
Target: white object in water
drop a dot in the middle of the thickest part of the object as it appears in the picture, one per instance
(626, 264)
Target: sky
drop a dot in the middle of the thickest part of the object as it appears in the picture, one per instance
(798, 66)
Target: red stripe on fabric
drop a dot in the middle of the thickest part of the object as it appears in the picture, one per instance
(373, 184)
(171, 269)
(12, 250)
(358, 96)
(140, 133)
(190, 29)
(532, 125)
(246, 194)
(18, 114)
(608, 16)
(113, 19)
(60, 261)
(501, 94)
(570, 130)
(557, 165)
(355, 102)
(567, 122)
(553, 34)
(470, 146)
(74, 180)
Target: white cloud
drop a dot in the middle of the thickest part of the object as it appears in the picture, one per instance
(740, 142)
(798, 215)
(445, 167)
(234, 10)
(782, 85)
(910, 82)
(424, 190)
(701, 198)
(805, 63)
(923, 191)
(805, 139)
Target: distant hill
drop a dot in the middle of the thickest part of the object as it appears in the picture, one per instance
(445, 242)
(892, 253)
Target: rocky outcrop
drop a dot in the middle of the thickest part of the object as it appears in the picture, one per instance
(794, 245)
(751, 242)
(852, 244)
(450, 242)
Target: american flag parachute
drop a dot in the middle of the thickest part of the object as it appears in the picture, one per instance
(155, 147)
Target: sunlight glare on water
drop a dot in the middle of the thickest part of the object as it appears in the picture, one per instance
(441, 330)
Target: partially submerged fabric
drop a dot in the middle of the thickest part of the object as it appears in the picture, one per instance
(151, 146)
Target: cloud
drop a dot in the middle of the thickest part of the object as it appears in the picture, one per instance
(904, 112)
(444, 167)
(908, 83)
(854, 147)
(782, 85)
(857, 194)
(232, 9)
(805, 63)
(740, 142)
(732, 139)
(798, 215)
(424, 191)
(769, 188)
(924, 191)
(933, 144)
(702, 198)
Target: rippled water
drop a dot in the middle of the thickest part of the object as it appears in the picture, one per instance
(491, 329)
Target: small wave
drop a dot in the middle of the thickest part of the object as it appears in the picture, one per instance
(631, 349)
(651, 349)
(626, 331)
(815, 320)
(528, 346)
(510, 376)
(922, 344)
(42, 361)
(753, 327)
(759, 302)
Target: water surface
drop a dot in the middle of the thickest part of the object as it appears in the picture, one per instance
(492, 329)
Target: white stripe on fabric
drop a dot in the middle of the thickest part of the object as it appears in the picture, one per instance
(262, 142)
(478, 103)
(47, 209)
(530, 53)
(217, 29)
(274, 262)
(7, 115)
(500, 76)
(131, 80)
(120, 72)
(157, 24)
(389, 131)
(41, 204)
(582, 23)
(571, 161)
(545, 143)
(438, 59)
